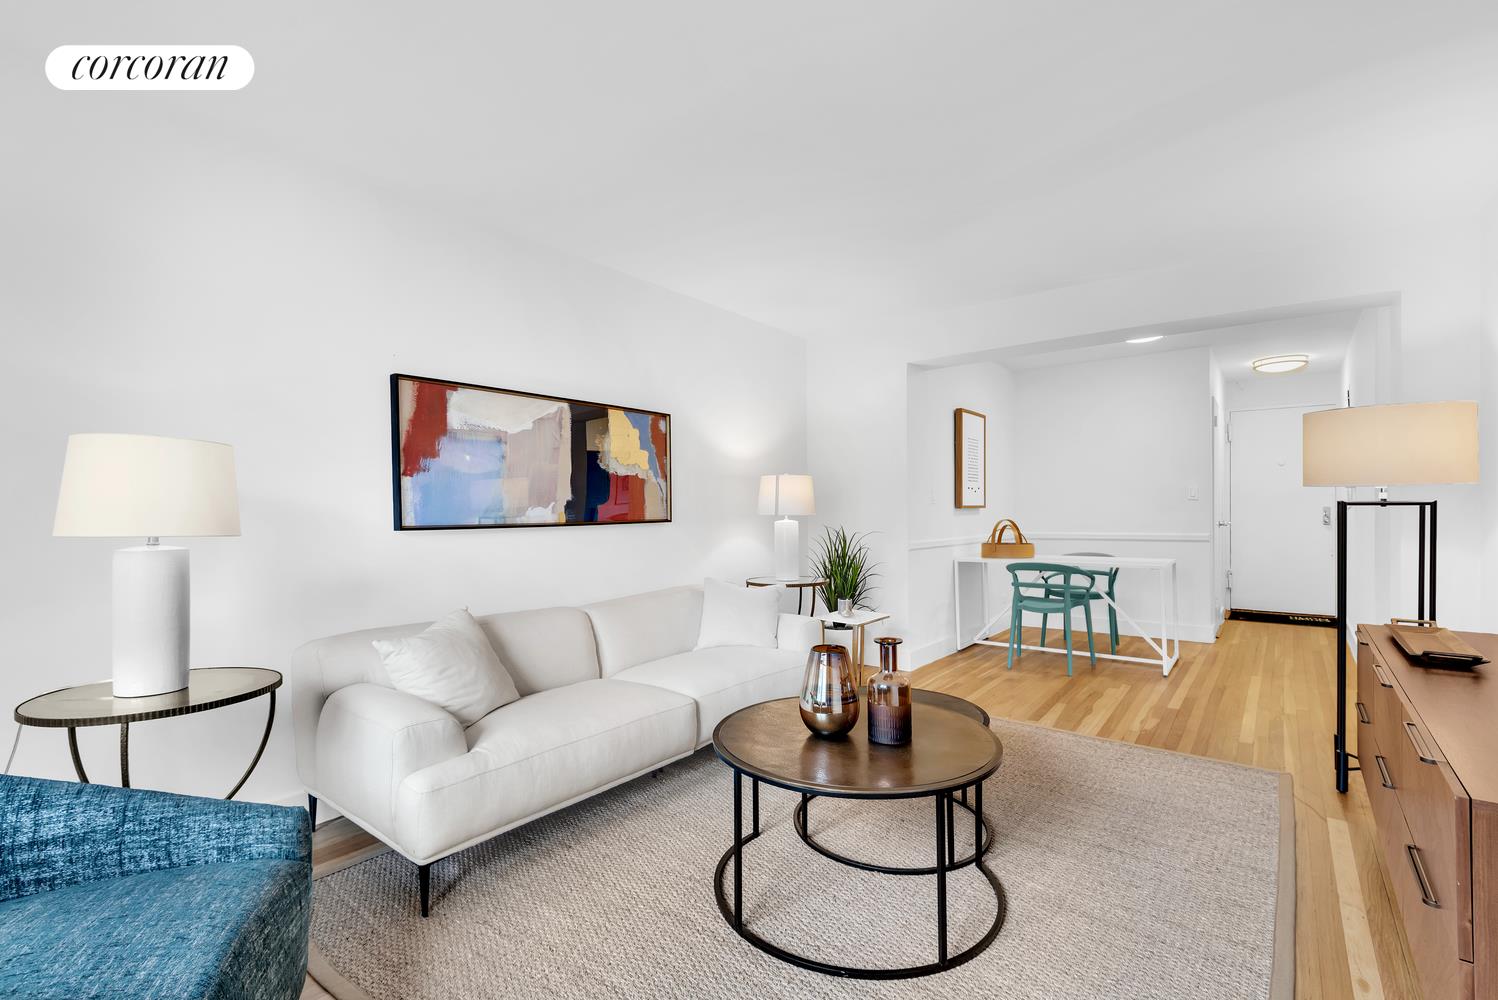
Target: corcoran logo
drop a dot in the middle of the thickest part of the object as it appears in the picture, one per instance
(149, 67)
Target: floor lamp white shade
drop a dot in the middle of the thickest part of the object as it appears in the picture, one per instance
(1392, 444)
(789, 496)
(134, 485)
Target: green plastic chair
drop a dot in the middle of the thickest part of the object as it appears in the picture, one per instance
(1046, 596)
(1094, 595)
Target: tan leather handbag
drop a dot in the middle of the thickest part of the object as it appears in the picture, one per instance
(1019, 547)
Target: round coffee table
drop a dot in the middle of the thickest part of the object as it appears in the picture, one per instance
(952, 753)
(919, 696)
(95, 705)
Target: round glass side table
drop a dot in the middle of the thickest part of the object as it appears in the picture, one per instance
(207, 688)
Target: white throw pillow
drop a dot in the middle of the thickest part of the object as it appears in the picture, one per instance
(451, 664)
(738, 616)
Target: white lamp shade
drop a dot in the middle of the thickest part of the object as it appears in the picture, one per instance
(1398, 444)
(786, 494)
(136, 485)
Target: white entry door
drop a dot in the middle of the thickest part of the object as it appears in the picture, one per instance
(1284, 535)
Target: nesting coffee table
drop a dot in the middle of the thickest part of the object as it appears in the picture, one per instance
(951, 755)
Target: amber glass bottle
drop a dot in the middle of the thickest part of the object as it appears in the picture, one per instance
(889, 697)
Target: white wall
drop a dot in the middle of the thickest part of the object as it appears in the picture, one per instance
(155, 282)
(939, 531)
(1303, 388)
(1107, 452)
(1488, 403)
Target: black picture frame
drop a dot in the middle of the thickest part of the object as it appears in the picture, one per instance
(395, 456)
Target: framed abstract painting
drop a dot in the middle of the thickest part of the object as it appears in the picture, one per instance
(472, 456)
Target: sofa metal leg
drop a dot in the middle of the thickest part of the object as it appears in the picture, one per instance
(424, 876)
(312, 811)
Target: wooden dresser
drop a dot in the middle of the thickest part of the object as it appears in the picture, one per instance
(1427, 742)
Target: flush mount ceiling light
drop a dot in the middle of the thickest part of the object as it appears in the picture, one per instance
(1145, 340)
(1279, 364)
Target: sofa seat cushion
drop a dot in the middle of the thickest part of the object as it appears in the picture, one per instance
(221, 931)
(723, 679)
(538, 753)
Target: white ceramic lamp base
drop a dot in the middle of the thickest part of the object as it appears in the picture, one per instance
(787, 549)
(150, 615)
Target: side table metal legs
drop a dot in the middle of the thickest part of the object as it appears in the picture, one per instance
(270, 720)
(77, 760)
(124, 755)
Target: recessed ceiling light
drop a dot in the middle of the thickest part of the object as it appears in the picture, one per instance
(1145, 340)
(1279, 364)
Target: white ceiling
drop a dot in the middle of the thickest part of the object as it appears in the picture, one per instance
(1324, 336)
(803, 163)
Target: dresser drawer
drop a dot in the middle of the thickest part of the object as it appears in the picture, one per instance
(1382, 798)
(1438, 815)
(1362, 706)
(1387, 711)
(1443, 974)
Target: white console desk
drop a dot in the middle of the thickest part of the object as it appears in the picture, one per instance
(972, 571)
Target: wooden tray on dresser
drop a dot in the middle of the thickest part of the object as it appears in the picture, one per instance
(1427, 743)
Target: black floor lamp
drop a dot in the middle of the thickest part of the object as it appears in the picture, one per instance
(1399, 444)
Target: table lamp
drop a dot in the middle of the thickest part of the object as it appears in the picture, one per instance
(1397, 444)
(134, 485)
(788, 496)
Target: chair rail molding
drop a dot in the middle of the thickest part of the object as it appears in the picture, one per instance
(1111, 536)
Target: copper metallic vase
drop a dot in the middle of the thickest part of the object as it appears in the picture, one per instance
(889, 697)
(829, 692)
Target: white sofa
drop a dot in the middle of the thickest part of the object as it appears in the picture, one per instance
(609, 692)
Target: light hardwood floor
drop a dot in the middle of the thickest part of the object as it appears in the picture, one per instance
(1262, 695)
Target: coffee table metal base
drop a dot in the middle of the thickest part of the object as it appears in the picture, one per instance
(802, 811)
(945, 805)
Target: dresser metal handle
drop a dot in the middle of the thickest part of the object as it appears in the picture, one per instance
(1383, 771)
(1418, 742)
(1383, 681)
(1362, 714)
(1427, 896)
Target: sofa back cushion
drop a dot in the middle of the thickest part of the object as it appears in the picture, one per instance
(644, 627)
(541, 649)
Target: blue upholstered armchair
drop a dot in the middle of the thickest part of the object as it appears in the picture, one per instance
(115, 892)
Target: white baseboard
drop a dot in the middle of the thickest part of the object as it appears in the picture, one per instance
(931, 651)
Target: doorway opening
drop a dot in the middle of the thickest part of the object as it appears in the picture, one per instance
(1274, 540)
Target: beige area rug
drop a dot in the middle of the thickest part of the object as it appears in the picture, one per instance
(1129, 873)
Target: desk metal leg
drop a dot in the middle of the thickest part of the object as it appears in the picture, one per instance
(957, 603)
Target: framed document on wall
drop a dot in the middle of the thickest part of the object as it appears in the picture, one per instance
(970, 431)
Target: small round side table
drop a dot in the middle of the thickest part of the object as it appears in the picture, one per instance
(95, 705)
(800, 585)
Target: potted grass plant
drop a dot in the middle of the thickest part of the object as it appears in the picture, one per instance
(844, 561)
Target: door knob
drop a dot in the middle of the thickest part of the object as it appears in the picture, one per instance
(1224, 524)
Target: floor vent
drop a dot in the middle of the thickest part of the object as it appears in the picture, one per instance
(1282, 618)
